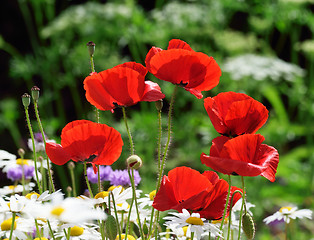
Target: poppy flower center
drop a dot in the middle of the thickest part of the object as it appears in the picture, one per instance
(57, 211)
(76, 231)
(91, 158)
(6, 225)
(152, 195)
(194, 221)
(284, 209)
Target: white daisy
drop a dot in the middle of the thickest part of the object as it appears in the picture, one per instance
(19, 230)
(78, 232)
(4, 155)
(147, 200)
(287, 213)
(69, 210)
(194, 222)
(11, 189)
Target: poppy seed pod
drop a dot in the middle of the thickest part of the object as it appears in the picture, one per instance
(26, 100)
(35, 93)
(91, 48)
(134, 162)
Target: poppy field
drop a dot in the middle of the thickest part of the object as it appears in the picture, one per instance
(160, 120)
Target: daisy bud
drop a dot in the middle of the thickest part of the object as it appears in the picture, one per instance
(111, 229)
(21, 152)
(35, 93)
(91, 48)
(134, 162)
(159, 105)
(248, 225)
(26, 100)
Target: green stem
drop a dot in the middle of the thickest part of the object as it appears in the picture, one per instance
(226, 206)
(50, 230)
(192, 235)
(12, 225)
(99, 182)
(168, 139)
(73, 181)
(128, 130)
(243, 204)
(135, 201)
(87, 182)
(23, 176)
(37, 229)
(34, 150)
(51, 185)
(286, 231)
(116, 214)
(128, 221)
(230, 212)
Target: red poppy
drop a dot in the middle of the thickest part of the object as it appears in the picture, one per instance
(244, 155)
(123, 85)
(185, 188)
(234, 114)
(84, 140)
(179, 64)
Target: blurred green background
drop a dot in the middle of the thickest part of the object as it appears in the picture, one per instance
(264, 48)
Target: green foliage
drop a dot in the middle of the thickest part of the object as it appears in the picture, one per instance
(124, 31)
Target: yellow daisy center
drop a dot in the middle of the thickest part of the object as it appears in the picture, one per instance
(194, 221)
(29, 195)
(11, 187)
(101, 195)
(76, 231)
(6, 225)
(129, 237)
(57, 211)
(285, 208)
(41, 238)
(21, 161)
(114, 187)
(152, 195)
(185, 229)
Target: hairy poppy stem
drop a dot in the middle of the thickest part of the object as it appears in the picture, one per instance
(229, 222)
(51, 185)
(226, 206)
(131, 176)
(99, 182)
(34, 150)
(87, 182)
(168, 139)
(243, 204)
(128, 130)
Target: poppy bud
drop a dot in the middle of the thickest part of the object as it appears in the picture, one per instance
(134, 162)
(71, 165)
(159, 105)
(91, 48)
(111, 229)
(145, 229)
(21, 152)
(35, 93)
(26, 100)
(248, 225)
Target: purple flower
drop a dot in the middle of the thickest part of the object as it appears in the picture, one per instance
(15, 173)
(104, 172)
(121, 177)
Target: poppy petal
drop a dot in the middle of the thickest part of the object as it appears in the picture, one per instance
(246, 116)
(96, 94)
(152, 92)
(217, 145)
(134, 66)
(165, 197)
(268, 156)
(56, 153)
(179, 44)
(152, 52)
(187, 182)
(211, 176)
(195, 92)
